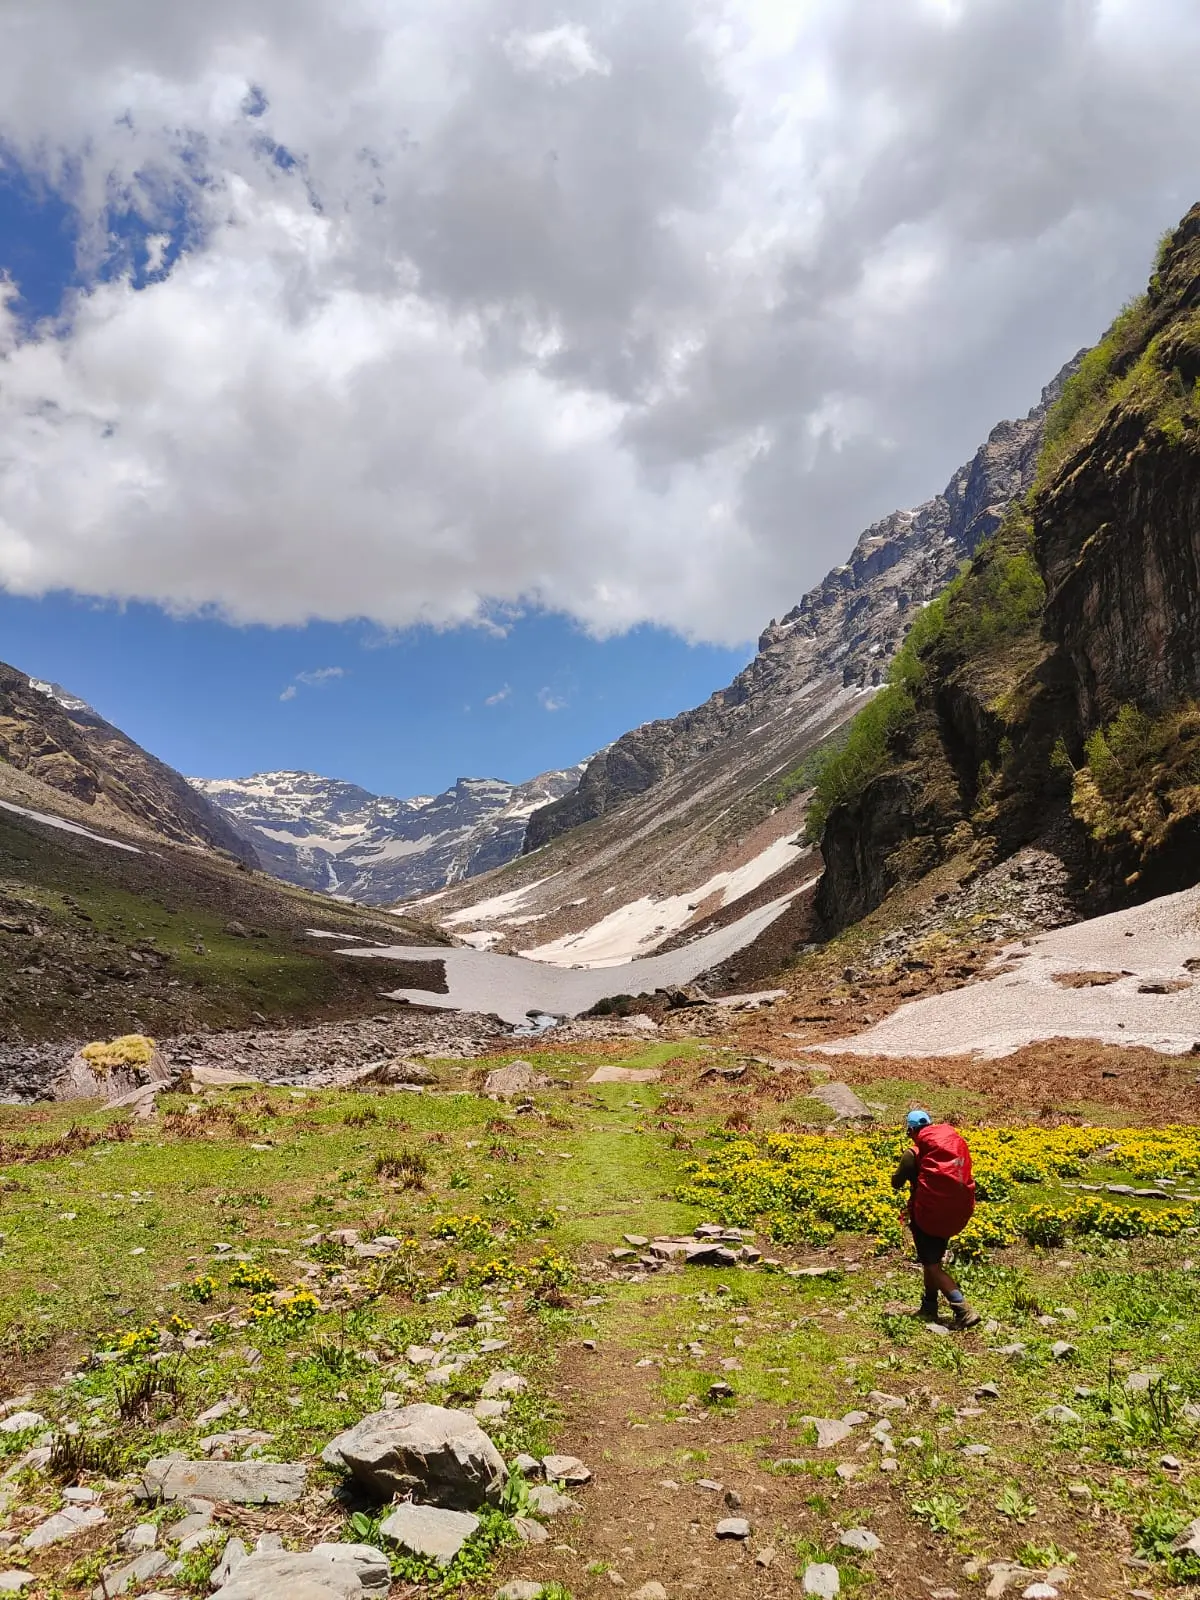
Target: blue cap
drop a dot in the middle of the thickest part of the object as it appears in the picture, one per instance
(916, 1120)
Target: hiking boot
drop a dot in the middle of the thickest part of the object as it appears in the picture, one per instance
(965, 1316)
(927, 1311)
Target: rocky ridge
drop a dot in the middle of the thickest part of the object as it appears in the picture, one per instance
(340, 839)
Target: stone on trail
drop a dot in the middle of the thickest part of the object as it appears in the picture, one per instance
(245, 1483)
(625, 1075)
(66, 1524)
(441, 1456)
(842, 1101)
(119, 1580)
(528, 1466)
(821, 1579)
(860, 1539)
(566, 1469)
(502, 1383)
(386, 1074)
(733, 1528)
(831, 1431)
(649, 1591)
(1062, 1350)
(546, 1500)
(429, 1531)
(520, 1589)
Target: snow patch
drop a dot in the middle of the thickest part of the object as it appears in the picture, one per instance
(69, 827)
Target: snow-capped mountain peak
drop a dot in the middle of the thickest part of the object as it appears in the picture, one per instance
(327, 834)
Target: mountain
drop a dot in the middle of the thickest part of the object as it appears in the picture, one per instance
(1054, 690)
(60, 741)
(324, 834)
(692, 821)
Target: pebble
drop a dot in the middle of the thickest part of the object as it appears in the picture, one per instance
(733, 1528)
(1062, 1350)
(1170, 1463)
(566, 1469)
(987, 1391)
(977, 1449)
(847, 1470)
(649, 1591)
(766, 1556)
(1079, 1492)
(1062, 1414)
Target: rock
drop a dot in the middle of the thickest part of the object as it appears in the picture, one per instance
(528, 1466)
(281, 1575)
(1141, 1382)
(1081, 1493)
(639, 1241)
(232, 1557)
(860, 1539)
(1170, 1463)
(1188, 1542)
(649, 1591)
(847, 1470)
(134, 1063)
(878, 1401)
(767, 1556)
(1060, 1414)
(387, 1074)
(504, 1383)
(519, 1077)
(821, 1579)
(429, 1531)
(440, 1455)
(566, 1469)
(831, 1431)
(22, 1422)
(529, 1531)
(246, 1483)
(720, 1391)
(547, 1501)
(372, 1566)
(16, 1582)
(1039, 1591)
(520, 1589)
(65, 1524)
(143, 1537)
(842, 1101)
(489, 1410)
(117, 1580)
(733, 1528)
(987, 1391)
(201, 1077)
(625, 1075)
(1062, 1350)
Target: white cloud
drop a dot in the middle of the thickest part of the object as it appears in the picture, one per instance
(316, 678)
(639, 315)
(290, 692)
(499, 697)
(550, 701)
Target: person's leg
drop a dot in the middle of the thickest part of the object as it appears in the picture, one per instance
(937, 1278)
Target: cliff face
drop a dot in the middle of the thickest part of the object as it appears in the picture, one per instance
(61, 741)
(1078, 700)
(845, 630)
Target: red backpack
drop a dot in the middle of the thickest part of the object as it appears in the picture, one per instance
(943, 1199)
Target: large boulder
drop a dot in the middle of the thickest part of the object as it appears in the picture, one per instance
(427, 1453)
(519, 1077)
(112, 1070)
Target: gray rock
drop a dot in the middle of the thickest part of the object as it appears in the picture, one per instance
(374, 1571)
(118, 1580)
(860, 1539)
(987, 1391)
(821, 1579)
(429, 1531)
(733, 1528)
(528, 1466)
(519, 1077)
(649, 1591)
(278, 1575)
(438, 1455)
(15, 1582)
(143, 1537)
(22, 1421)
(489, 1410)
(547, 1501)
(65, 1524)
(566, 1469)
(1062, 1350)
(1062, 1414)
(842, 1101)
(529, 1531)
(245, 1483)
(1188, 1542)
(831, 1431)
(504, 1383)
(232, 1557)
(520, 1589)
(1141, 1382)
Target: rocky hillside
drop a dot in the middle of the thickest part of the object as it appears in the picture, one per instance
(57, 740)
(1058, 681)
(691, 821)
(324, 834)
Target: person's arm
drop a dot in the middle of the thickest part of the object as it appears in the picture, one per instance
(906, 1172)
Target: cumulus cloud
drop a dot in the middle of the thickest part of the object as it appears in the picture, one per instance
(634, 312)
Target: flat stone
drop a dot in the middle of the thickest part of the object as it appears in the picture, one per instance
(244, 1483)
(489, 1410)
(547, 1501)
(143, 1537)
(1188, 1541)
(1062, 1350)
(281, 1575)
(638, 1240)
(649, 1591)
(566, 1469)
(529, 1531)
(1141, 1382)
(878, 1401)
(831, 1431)
(429, 1531)
(733, 1528)
(528, 1466)
(842, 1101)
(625, 1075)
(520, 1589)
(1061, 1414)
(1081, 1493)
(860, 1539)
(821, 1579)
(440, 1455)
(65, 1524)
(1039, 1591)
(767, 1556)
(117, 1580)
(987, 1391)
(232, 1557)
(847, 1470)
(16, 1582)
(372, 1566)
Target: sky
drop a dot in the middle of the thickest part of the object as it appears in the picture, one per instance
(361, 364)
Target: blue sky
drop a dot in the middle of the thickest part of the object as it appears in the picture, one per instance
(399, 712)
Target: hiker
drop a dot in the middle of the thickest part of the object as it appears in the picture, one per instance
(941, 1203)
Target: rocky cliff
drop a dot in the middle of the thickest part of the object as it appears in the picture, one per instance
(57, 739)
(322, 833)
(1058, 679)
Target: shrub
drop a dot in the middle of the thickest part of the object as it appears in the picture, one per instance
(130, 1050)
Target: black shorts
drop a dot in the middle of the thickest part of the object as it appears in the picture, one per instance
(930, 1249)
